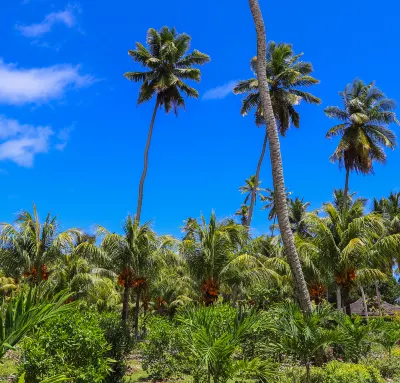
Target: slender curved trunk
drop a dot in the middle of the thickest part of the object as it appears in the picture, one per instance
(276, 161)
(125, 304)
(256, 180)
(308, 372)
(346, 192)
(338, 298)
(378, 298)
(364, 302)
(137, 311)
(145, 164)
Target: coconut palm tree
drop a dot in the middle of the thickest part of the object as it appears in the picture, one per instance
(297, 214)
(270, 204)
(169, 65)
(211, 248)
(390, 208)
(132, 257)
(364, 117)
(247, 189)
(285, 75)
(243, 212)
(276, 162)
(349, 247)
(28, 246)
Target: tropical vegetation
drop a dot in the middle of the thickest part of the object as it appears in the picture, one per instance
(312, 299)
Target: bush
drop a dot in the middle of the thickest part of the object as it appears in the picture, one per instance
(338, 372)
(388, 367)
(73, 345)
(161, 353)
(118, 337)
(333, 372)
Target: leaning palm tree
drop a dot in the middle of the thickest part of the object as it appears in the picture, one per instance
(276, 162)
(285, 75)
(169, 65)
(29, 246)
(363, 129)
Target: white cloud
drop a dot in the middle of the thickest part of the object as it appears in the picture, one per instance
(220, 91)
(65, 17)
(63, 137)
(36, 85)
(20, 143)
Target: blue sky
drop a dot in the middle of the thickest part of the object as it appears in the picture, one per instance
(72, 138)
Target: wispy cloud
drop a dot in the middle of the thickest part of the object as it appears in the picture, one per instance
(20, 143)
(36, 85)
(63, 137)
(65, 17)
(220, 91)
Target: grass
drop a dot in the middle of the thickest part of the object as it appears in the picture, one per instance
(137, 374)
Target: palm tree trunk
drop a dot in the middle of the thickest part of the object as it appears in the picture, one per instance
(308, 372)
(364, 302)
(145, 164)
(378, 298)
(137, 311)
(338, 298)
(346, 192)
(256, 180)
(125, 303)
(276, 161)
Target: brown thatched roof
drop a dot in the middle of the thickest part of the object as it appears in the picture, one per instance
(357, 307)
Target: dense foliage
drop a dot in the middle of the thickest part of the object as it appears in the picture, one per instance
(72, 345)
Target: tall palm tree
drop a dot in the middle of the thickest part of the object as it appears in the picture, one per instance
(364, 117)
(276, 162)
(169, 65)
(250, 185)
(285, 75)
(28, 246)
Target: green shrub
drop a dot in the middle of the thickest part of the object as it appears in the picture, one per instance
(333, 372)
(338, 372)
(73, 345)
(388, 367)
(161, 353)
(118, 337)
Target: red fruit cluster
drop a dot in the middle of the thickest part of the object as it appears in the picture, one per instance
(346, 278)
(210, 290)
(33, 273)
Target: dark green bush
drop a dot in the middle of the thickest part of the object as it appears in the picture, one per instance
(73, 345)
(118, 336)
(161, 352)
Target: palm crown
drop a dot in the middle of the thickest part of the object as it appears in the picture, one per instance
(285, 75)
(168, 66)
(365, 112)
